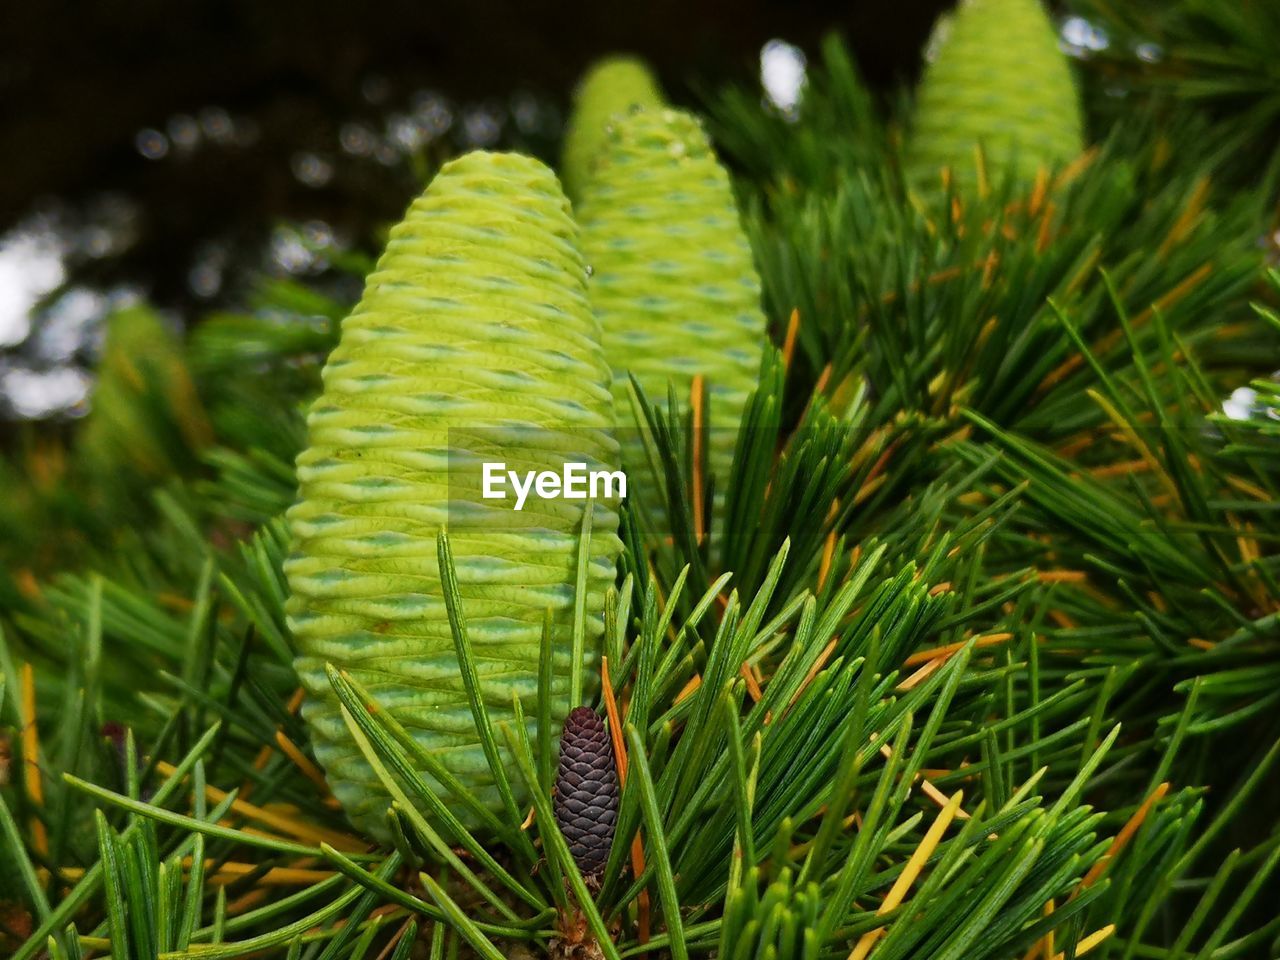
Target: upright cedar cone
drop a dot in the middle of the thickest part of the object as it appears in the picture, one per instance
(998, 79)
(473, 342)
(587, 790)
(609, 89)
(672, 281)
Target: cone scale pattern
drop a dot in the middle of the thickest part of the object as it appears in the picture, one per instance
(673, 281)
(473, 342)
(611, 88)
(998, 80)
(587, 790)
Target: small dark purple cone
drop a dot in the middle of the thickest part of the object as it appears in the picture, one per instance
(587, 790)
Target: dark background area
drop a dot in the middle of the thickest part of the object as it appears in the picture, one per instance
(152, 149)
(79, 80)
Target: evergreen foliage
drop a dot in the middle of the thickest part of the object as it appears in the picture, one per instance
(979, 658)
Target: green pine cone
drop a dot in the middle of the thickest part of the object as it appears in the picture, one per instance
(1000, 80)
(474, 341)
(609, 89)
(673, 281)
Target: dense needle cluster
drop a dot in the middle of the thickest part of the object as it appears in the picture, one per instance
(979, 659)
(587, 790)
